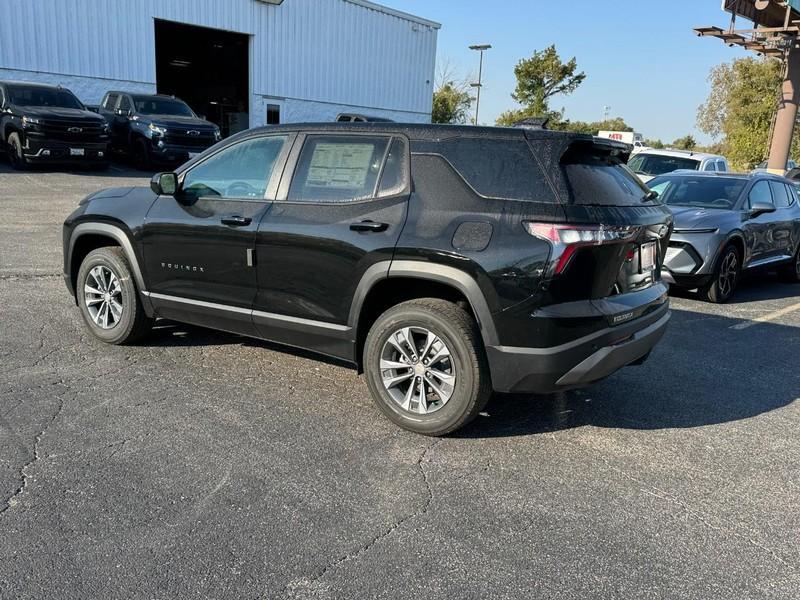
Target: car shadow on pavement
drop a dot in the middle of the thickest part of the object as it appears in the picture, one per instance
(702, 373)
(753, 287)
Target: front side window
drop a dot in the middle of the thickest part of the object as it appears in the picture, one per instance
(710, 166)
(24, 95)
(239, 171)
(338, 168)
(760, 193)
(125, 104)
(111, 101)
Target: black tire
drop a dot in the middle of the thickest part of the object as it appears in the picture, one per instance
(457, 330)
(15, 154)
(141, 155)
(790, 273)
(132, 324)
(726, 277)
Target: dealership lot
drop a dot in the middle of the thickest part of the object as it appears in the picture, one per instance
(202, 464)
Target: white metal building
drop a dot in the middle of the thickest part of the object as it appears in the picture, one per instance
(240, 60)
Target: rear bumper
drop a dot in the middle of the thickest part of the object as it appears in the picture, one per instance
(579, 362)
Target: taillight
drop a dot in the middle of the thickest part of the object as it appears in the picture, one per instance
(567, 239)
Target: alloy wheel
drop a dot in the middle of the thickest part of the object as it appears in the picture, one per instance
(103, 297)
(728, 274)
(417, 370)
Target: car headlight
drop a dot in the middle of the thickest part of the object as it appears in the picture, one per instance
(30, 122)
(157, 130)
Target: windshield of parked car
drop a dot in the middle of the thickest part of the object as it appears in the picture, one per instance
(694, 190)
(23, 95)
(658, 164)
(147, 105)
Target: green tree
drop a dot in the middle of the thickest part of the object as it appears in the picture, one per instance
(615, 124)
(740, 108)
(539, 78)
(686, 142)
(657, 144)
(451, 104)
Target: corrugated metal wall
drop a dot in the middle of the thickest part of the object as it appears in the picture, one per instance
(322, 50)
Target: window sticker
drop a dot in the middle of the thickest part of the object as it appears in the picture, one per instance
(340, 165)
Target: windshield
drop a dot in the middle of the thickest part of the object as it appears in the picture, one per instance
(658, 164)
(148, 105)
(705, 192)
(22, 95)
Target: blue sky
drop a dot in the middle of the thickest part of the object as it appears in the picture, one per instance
(641, 57)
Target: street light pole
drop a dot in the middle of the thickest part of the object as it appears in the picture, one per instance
(481, 48)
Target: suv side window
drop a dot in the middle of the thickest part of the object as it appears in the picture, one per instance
(339, 168)
(242, 170)
(710, 166)
(125, 104)
(759, 193)
(110, 101)
(779, 194)
(721, 165)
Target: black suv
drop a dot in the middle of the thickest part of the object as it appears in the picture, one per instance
(45, 123)
(156, 128)
(441, 261)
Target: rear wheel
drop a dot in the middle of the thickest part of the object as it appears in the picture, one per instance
(16, 156)
(726, 277)
(108, 298)
(425, 366)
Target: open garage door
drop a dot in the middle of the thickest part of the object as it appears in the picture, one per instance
(207, 68)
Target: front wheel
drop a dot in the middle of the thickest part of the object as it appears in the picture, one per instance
(425, 366)
(108, 298)
(791, 272)
(15, 153)
(725, 278)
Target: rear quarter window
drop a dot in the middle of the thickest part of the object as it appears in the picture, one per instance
(494, 167)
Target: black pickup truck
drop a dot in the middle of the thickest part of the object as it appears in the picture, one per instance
(156, 129)
(45, 123)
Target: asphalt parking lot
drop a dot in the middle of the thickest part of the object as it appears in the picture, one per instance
(205, 465)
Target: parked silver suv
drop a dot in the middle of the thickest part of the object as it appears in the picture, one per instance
(728, 223)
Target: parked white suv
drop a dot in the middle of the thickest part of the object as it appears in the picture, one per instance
(651, 163)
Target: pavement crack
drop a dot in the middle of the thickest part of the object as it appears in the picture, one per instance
(665, 496)
(12, 500)
(364, 548)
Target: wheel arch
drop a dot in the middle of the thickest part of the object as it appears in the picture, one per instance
(737, 239)
(383, 286)
(90, 236)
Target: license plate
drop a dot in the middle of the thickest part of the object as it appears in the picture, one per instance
(647, 256)
(77, 152)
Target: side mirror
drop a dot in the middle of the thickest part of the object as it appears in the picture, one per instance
(164, 184)
(760, 208)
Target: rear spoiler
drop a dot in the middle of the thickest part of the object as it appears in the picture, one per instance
(551, 147)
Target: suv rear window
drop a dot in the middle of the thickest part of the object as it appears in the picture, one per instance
(595, 178)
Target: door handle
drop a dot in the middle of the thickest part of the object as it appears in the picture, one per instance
(236, 221)
(369, 226)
